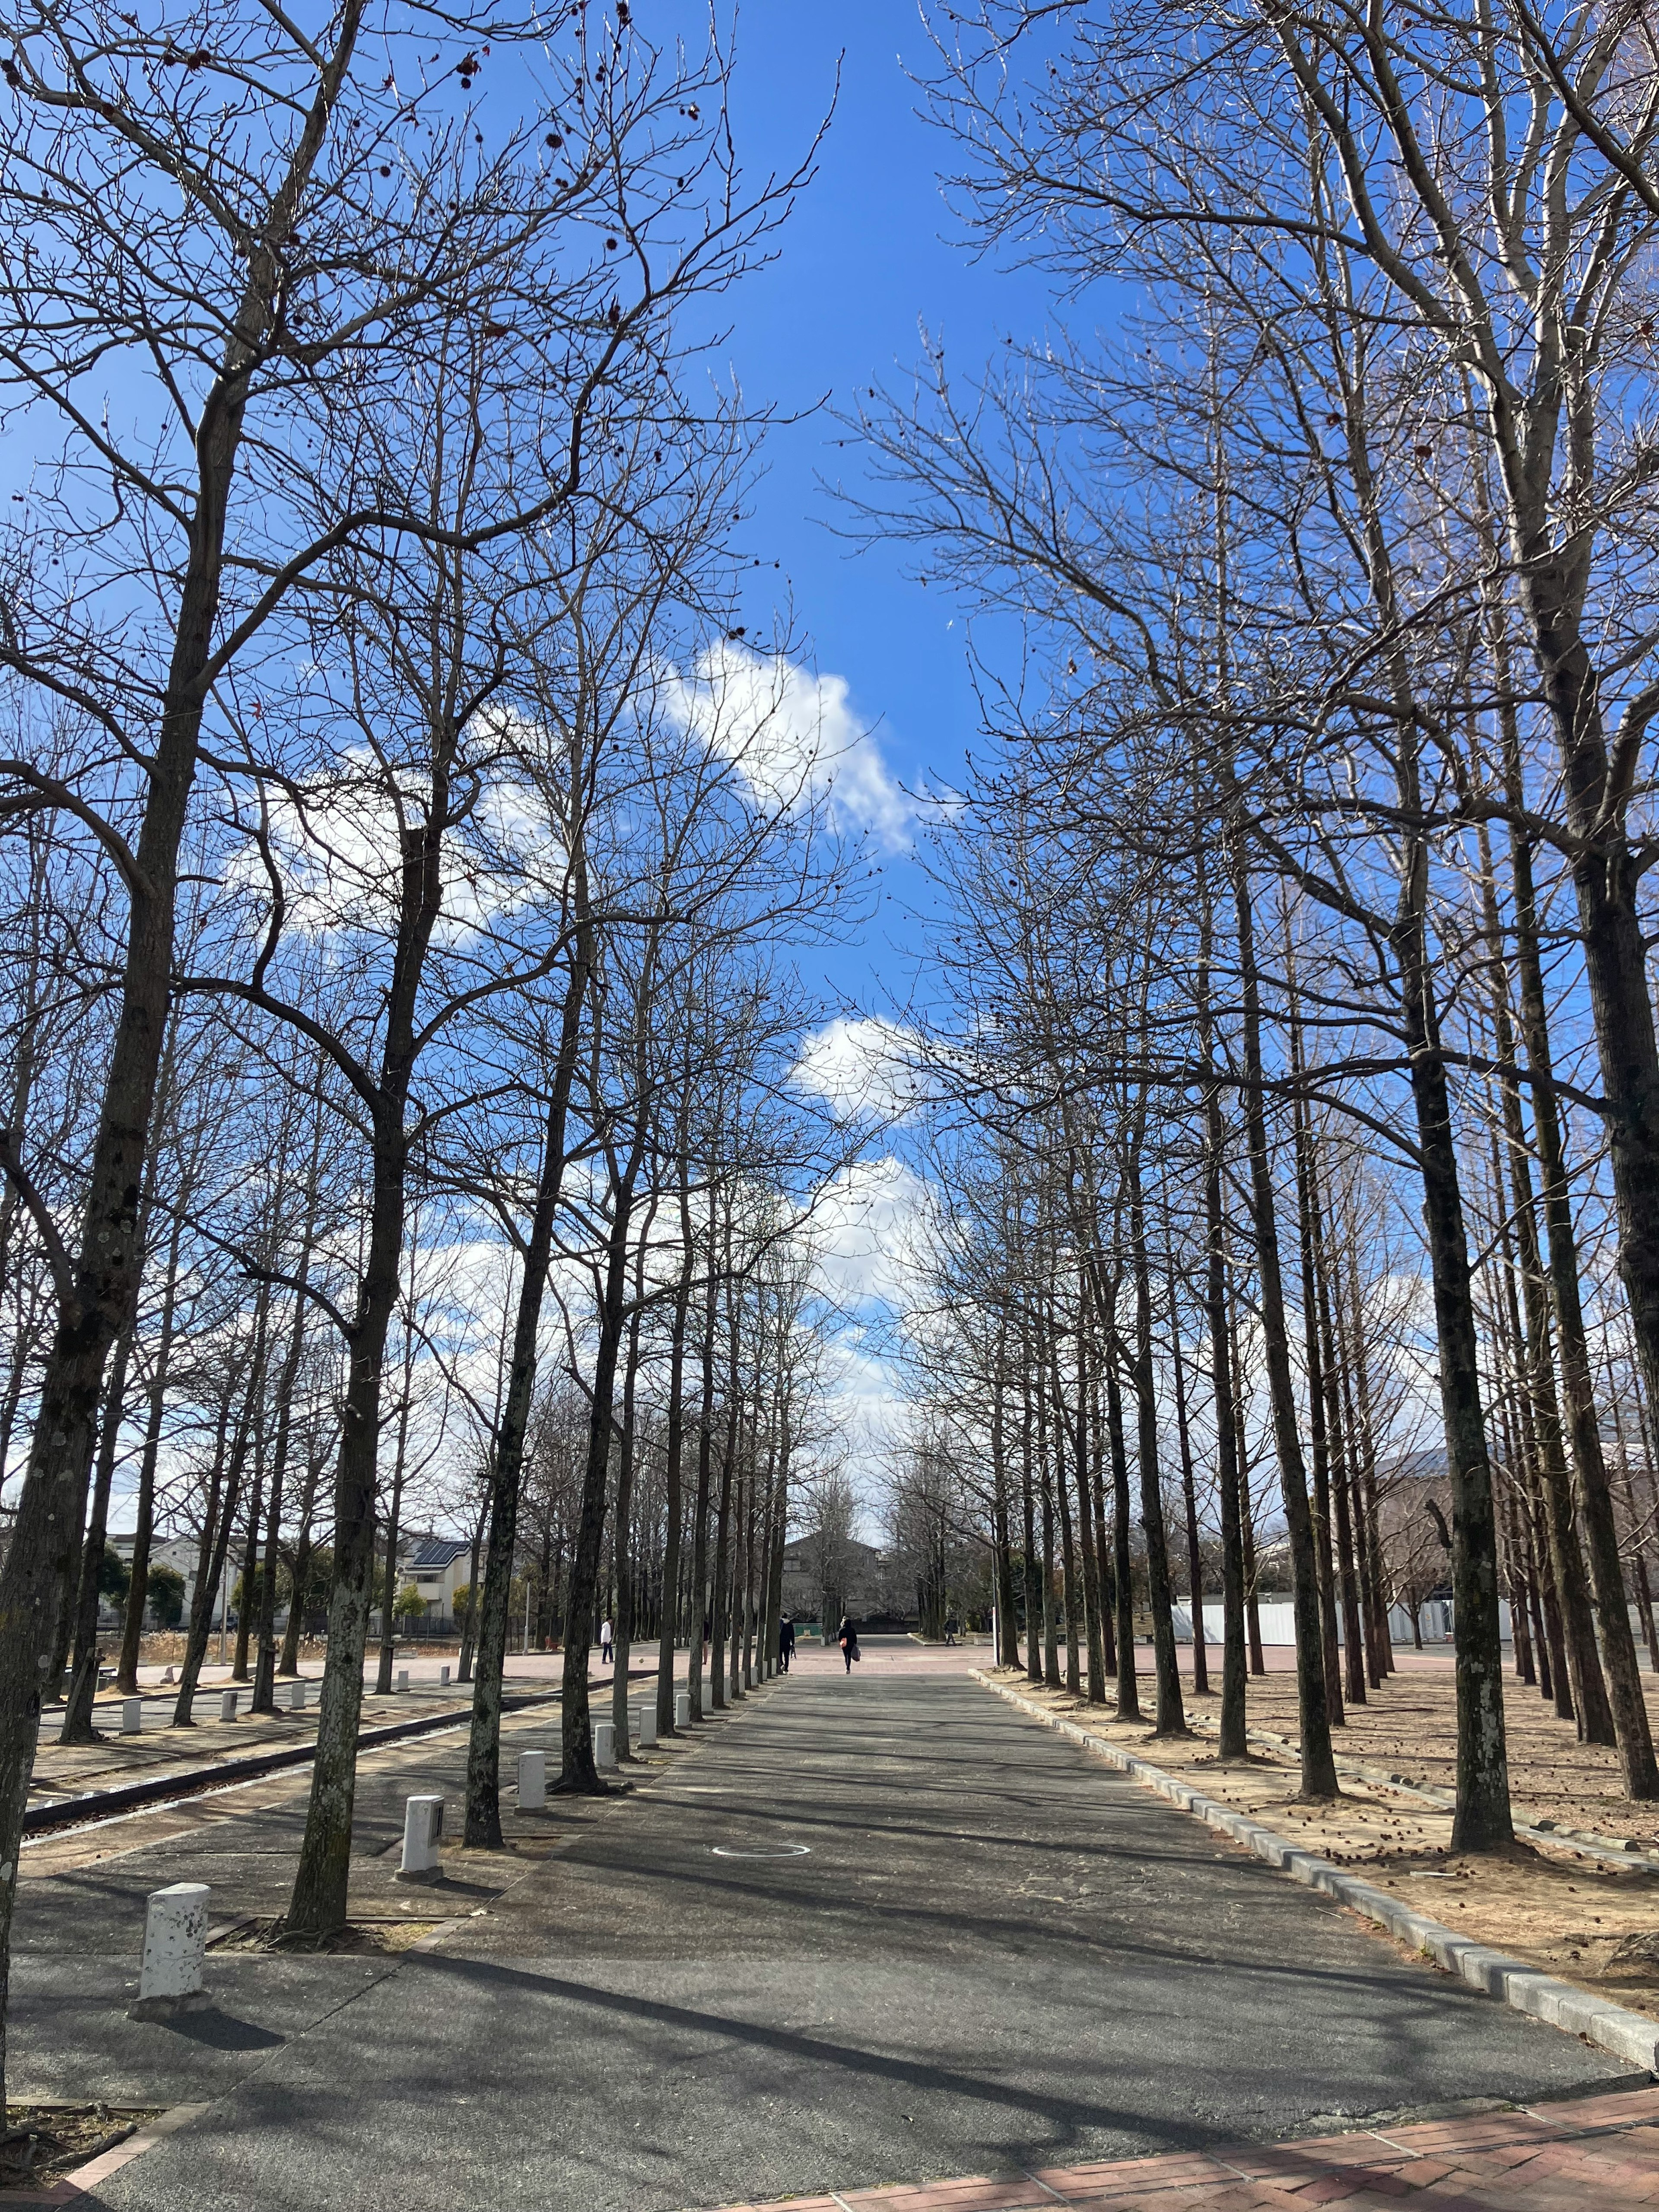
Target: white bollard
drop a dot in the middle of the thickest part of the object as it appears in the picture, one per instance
(533, 1781)
(166, 1678)
(604, 1744)
(443, 1678)
(682, 1708)
(296, 1698)
(645, 1726)
(227, 1706)
(423, 1826)
(132, 1716)
(175, 1938)
(402, 1679)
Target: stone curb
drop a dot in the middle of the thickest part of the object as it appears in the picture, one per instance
(55, 1813)
(81, 2180)
(1628, 2035)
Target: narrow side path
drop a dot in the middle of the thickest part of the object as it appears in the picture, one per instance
(878, 1929)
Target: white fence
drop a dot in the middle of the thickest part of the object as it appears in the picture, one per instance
(1279, 1621)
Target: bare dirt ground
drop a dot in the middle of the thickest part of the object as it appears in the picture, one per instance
(1557, 1909)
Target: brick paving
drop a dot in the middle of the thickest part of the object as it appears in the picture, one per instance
(1594, 2154)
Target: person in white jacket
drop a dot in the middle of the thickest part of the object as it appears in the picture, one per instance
(605, 1643)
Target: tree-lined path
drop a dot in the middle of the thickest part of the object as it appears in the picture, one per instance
(990, 1954)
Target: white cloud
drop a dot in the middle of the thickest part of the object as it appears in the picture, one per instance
(861, 1066)
(795, 739)
(865, 1232)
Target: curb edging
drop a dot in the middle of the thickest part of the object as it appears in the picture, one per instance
(1628, 2035)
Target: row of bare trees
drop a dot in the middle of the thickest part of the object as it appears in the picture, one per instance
(404, 866)
(1299, 924)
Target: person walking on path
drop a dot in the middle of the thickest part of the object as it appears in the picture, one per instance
(951, 1629)
(605, 1643)
(786, 1642)
(848, 1637)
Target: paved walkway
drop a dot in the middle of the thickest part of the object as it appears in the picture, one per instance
(1596, 2154)
(868, 1932)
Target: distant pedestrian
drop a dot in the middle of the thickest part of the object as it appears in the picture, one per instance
(785, 1642)
(848, 1637)
(605, 1644)
(951, 1629)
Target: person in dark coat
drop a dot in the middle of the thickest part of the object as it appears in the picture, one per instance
(848, 1637)
(785, 1642)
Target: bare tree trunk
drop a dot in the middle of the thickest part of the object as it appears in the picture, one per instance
(394, 1534)
(1128, 1707)
(576, 1731)
(1234, 1739)
(84, 1684)
(1301, 1140)
(1318, 1763)
(1085, 1510)
(300, 1568)
(1482, 1820)
(265, 1670)
(1339, 1443)
(1188, 1493)
(224, 1495)
(126, 1680)
(721, 1600)
(1033, 1576)
(1171, 1713)
(672, 1477)
(623, 1621)
(487, 1624)
(102, 1279)
(705, 1463)
(1627, 1712)
(1046, 1501)
(1541, 1415)
(1068, 1547)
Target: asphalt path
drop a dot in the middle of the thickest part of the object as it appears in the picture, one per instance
(874, 1930)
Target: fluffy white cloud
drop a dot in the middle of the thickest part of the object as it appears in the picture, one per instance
(865, 1232)
(861, 1066)
(794, 737)
(340, 856)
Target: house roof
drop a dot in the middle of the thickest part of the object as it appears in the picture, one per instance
(435, 1551)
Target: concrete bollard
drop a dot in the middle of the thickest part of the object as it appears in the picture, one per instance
(227, 1706)
(533, 1781)
(645, 1726)
(175, 1938)
(682, 1708)
(604, 1744)
(166, 1678)
(443, 1678)
(132, 1716)
(402, 1679)
(296, 1698)
(423, 1828)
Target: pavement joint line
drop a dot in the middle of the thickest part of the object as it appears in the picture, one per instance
(1628, 2035)
(1044, 2187)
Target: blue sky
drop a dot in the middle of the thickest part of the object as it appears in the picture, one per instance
(869, 253)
